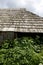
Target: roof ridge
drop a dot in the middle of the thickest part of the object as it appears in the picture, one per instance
(24, 9)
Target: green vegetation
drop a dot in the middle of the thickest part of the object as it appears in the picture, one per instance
(22, 51)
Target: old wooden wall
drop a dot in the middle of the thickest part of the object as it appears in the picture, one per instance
(6, 35)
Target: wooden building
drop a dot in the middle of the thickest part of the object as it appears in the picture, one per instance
(16, 22)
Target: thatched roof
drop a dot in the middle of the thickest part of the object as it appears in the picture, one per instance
(20, 20)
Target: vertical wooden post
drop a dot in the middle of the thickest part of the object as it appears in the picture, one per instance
(15, 35)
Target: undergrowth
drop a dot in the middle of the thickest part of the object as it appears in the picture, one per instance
(21, 51)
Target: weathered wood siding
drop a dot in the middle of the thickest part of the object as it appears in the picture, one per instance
(6, 35)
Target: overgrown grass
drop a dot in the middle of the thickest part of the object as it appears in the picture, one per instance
(21, 51)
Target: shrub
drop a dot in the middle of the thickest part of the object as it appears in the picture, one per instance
(21, 51)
